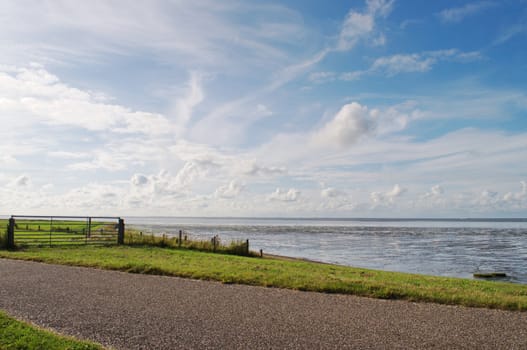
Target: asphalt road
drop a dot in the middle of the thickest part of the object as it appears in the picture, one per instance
(130, 311)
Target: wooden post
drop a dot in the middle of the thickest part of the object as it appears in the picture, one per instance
(179, 241)
(247, 247)
(120, 232)
(11, 234)
(89, 228)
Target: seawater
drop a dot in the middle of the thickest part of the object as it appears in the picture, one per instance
(455, 248)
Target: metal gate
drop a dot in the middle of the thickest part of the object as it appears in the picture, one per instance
(51, 231)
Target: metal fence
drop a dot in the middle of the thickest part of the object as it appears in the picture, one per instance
(51, 231)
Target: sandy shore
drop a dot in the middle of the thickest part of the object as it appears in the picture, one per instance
(128, 311)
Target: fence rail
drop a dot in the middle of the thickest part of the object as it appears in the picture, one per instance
(24, 230)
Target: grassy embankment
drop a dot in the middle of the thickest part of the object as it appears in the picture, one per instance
(16, 335)
(285, 273)
(160, 255)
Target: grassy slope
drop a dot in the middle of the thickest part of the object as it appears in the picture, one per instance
(19, 335)
(291, 274)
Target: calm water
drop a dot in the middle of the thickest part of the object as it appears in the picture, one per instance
(444, 248)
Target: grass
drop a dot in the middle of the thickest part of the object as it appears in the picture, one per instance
(134, 238)
(285, 273)
(37, 233)
(41, 232)
(17, 335)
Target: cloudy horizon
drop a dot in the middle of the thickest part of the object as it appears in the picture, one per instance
(376, 108)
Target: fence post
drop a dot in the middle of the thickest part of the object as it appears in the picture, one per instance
(11, 234)
(120, 233)
(247, 247)
(179, 241)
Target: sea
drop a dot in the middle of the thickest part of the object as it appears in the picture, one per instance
(439, 247)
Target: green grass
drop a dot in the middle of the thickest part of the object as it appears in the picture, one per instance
(134, 238)
(41, 232)
(37, 233)
(285, 273)
(17, 335)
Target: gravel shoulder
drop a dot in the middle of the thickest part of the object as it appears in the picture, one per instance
(130, 311)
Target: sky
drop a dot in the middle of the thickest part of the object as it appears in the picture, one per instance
(300, 108)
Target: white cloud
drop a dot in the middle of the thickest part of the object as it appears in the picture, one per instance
(395, 192)
(457, 14)
(510, 32)
(350, 76)
(21, 181)
(321, 77)
(7, 159)
(436, 191)
(393, 65)
(420, 62)
(263, 110)
(358, 25)
(232, 190)
(139, 180)
(290, 195)
(352, 122)
(517, 197)
(67, 155)
(184, 106)
(205, 33)
(251, 168)
(331, 192)
(400, 63)
(388, 197)
(36, 96)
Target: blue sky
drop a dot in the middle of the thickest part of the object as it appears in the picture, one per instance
(236, 108)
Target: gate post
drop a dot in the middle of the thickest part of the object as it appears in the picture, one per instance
(120, 233)
(11, 234)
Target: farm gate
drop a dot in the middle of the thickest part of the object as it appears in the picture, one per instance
(51, 231)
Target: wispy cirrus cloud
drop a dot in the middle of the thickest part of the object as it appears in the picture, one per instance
(420, 62)
(399, 64)
(457, 14)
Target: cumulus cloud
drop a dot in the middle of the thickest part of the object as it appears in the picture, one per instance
(331, 192)
(457, 14)
(352, 122)
(290, 195)
(511, 197)
(435, 192)
(487, 198)
(139, 180)
(388, 197)
(252, 168)
(228, 191)
(20, 181)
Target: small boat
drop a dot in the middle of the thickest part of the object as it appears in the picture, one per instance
(490, 274)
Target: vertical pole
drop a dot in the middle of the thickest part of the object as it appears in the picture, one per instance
(120, 233)
(180, 234)
(11, 234)
(247, 247)
(89, 228)
(50, 229)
